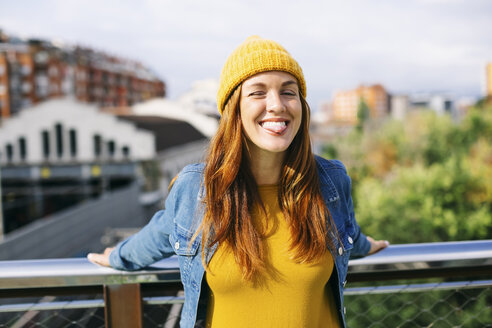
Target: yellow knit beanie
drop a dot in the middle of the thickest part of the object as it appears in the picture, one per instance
(253, 56)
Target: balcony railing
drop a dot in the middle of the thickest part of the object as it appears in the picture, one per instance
(438, 285)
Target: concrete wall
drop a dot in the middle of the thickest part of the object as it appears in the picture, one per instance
(76, 231)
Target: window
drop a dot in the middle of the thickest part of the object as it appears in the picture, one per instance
(26, 102)
(448, 105)
(59, 140)
(111, 148)
(42, 84)
(73, 142)
(126, 152)
(53, 71)
(41, 57)
(26, 87)
(15, 82)
(45, 137)
(97, 145)
(67, 86)
(9, 151)
(26, 70)
(81, 75)
(22, 148)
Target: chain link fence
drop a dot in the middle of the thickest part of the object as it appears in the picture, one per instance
(437, 305)
(52, 312)
(75, 312)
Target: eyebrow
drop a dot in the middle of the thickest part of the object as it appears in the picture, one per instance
(261, 84)
(289, 83)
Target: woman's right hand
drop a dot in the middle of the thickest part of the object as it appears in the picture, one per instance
(101, 259)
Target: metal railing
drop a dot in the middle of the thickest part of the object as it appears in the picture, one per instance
(438, 285)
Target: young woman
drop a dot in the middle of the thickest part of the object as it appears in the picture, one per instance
(263, 229)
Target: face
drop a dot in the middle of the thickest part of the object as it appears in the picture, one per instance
(271, 111)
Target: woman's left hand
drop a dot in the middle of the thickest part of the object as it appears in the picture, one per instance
(377, 245)
(101, 259)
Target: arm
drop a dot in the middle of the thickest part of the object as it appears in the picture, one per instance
(149, 245)
(363, 245)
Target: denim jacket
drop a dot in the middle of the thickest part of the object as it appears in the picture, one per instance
(170, 230)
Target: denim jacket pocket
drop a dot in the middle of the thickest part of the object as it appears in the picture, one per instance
(180, 240)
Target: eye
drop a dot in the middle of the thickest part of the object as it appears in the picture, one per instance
(289, 93)
(256, 93)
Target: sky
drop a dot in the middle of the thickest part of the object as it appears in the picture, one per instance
(407, 46)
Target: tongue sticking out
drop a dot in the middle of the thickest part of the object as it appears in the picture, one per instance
(275, 127)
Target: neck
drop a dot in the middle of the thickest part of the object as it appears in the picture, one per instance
(266, 167)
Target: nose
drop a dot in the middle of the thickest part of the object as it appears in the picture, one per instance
(274, 102)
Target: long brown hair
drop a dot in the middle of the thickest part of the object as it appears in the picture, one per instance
(231, 193)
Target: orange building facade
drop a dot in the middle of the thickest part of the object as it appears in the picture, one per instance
(4, 87)
(488, 80)
(346, 103)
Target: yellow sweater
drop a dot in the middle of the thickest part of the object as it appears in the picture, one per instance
(291, 295)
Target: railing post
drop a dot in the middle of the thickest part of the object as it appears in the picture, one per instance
(123, 306)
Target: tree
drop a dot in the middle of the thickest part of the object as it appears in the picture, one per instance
(363, 114)
(427, 179)
(422, 180)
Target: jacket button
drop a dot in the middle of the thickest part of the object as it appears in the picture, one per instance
(176, 245)
(340, 250)
(350, 240)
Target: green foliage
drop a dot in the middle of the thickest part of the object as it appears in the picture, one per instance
(422, 180)
(422, 204)
(363, 114)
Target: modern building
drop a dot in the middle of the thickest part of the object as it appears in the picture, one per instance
(62, 152)
(66, 131)
(174, 110)
(182, 129)
(177, 143)
(201, 98)
(441, 103)
(35, 70)
(400, 105)
(346, 103)
(197, 107)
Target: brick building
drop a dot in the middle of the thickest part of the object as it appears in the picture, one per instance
(36, 70)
